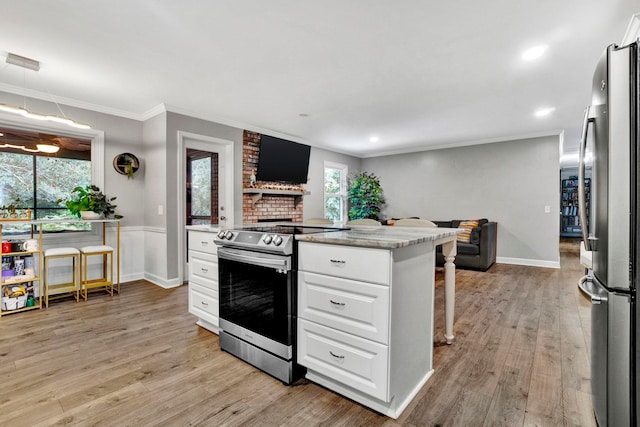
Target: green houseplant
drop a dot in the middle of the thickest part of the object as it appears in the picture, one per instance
(365, 196)
(91, 199)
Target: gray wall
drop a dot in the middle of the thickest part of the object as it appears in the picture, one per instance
(155, 152)
(313, 206)
(508, 182)
(179, 122)
(121, 135)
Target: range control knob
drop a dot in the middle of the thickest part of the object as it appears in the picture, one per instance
(221, 234)
(267, 238)
(277, 241)
(228, 235)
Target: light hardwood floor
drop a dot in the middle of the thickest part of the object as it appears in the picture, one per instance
(520, 357)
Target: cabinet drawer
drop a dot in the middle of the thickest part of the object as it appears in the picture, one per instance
(202, 303)
(366, 264)
(203, 242)
(358, 308)
(353, 361)
(203, 268)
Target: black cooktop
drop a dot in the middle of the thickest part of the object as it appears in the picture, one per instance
(290, 229)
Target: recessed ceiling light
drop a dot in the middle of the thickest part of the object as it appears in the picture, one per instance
(544, 111)
(374, 139)
(534, 52)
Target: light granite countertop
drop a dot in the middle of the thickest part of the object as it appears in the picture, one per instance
(380, 237)
(363, 236)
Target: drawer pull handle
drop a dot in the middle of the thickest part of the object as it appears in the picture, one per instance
(204, 303)
(335, 355)
(341, 304)
(204, 270)
(204, 243)
(338, 261)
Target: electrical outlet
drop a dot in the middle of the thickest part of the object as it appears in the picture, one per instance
(547, 209)
(160, 210)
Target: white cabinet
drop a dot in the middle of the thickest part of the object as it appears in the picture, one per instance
(365, 321)
(203, 278)
(359, 308)
(366, 264)
(357, 362)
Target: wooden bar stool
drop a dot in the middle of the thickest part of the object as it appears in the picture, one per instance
(61, 288)
(106, 280)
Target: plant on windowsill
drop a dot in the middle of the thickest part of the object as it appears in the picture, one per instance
(365, 196)
(90, 203)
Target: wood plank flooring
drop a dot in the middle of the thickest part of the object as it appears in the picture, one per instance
(520, 357)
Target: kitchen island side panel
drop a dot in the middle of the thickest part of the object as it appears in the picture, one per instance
(412, 307)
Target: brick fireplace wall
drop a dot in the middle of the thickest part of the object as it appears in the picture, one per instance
(269, 207)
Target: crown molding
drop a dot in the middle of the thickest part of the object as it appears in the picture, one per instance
(68, 101)
(158, 109)
(237, 124)
(416, 149)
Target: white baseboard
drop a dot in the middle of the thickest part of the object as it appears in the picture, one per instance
(163, 283)
(528, 262)
(131, 277)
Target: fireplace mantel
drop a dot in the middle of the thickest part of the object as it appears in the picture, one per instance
(257, 193)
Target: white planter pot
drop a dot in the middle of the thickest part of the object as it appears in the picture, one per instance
(89, 215)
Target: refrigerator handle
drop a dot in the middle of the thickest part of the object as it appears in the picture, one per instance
(583, 284)
(582, 206)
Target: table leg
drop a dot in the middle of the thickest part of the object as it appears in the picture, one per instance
(118, 249)
(449, 252)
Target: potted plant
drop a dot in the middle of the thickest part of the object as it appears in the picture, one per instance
(90, 202)
(365, 196)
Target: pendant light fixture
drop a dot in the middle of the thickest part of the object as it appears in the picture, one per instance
(32, 64)
(40, 148)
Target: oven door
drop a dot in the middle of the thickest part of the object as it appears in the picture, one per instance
(257, 297)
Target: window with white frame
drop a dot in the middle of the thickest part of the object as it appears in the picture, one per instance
(335, 191)
(37, 181)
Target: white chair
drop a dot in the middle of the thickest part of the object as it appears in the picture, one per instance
(106, 280)
(61, 288)
(364, 221)
(414, 222)
(318, 221)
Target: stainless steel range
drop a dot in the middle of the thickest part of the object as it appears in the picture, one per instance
(257, 285)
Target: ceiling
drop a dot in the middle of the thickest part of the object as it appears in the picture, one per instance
(416, 74)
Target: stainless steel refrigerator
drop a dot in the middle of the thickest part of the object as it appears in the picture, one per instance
(611, 230)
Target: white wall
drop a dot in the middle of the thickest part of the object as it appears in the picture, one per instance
(508, 182)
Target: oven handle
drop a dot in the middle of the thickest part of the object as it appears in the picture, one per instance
(256, 258)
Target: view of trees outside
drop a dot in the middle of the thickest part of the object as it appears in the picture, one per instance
(332, 198)
(37, 182)
(201, 189)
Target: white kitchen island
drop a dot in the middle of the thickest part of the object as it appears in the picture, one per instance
(365, 311)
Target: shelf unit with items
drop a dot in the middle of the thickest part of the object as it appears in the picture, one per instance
(21, 286)
(569, 207)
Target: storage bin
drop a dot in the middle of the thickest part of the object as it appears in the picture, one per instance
(14, 303)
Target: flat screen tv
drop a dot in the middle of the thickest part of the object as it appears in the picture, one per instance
(282, 160)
